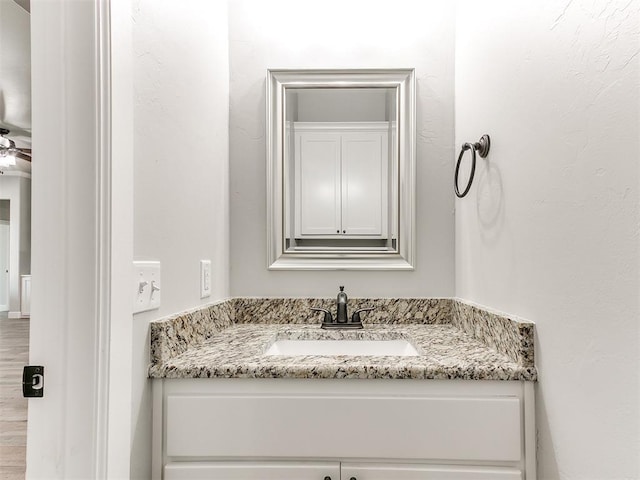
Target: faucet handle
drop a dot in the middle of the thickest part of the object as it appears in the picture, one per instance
(364, 309)
(328, 318)
(355, 318)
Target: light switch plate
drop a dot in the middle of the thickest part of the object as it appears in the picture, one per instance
(205, 278)
(146, 286)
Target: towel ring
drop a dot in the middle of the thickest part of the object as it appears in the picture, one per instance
(482, 147)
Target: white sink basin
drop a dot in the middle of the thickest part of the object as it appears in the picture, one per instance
(398, 348)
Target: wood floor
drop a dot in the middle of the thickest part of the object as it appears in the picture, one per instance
(14, 354)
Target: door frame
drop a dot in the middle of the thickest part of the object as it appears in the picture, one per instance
(5, 307)
(82, 242)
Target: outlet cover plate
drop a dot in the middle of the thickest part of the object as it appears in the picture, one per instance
(205, 278)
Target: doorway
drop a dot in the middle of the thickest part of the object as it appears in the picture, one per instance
(4, 254)
(15, 230)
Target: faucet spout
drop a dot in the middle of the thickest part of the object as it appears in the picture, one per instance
(341, 320)
(342, 316)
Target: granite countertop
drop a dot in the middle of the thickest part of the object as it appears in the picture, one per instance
(236, 350)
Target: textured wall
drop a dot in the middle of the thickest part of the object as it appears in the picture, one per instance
(549, 230)
(337, 34)
(181, 179)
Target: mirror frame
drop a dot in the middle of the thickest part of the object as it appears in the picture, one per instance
(403, 80)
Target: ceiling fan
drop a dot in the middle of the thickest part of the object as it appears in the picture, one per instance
(9, 152)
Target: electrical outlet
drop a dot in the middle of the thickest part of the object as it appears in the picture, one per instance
(205, 278)
(146, 286)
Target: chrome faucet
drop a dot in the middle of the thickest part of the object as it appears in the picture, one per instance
(342, 317)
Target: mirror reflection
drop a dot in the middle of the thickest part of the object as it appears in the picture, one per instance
(340, 169)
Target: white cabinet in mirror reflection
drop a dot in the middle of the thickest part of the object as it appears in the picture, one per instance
(341, 179)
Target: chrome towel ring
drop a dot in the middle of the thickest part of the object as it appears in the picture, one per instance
(482, 147)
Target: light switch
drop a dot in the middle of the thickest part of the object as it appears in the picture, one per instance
(146, 286)
(205, 278)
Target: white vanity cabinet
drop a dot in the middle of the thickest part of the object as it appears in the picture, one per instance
(364, 429)
(341, 179)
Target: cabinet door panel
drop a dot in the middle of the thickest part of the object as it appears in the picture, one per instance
(364, 179)
(251, 471)
(419, 472)
(318, 179)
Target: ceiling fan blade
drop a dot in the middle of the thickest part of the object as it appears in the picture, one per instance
(24, 154)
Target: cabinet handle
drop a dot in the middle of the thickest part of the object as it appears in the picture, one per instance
(353, 478)
(344, 231)
(337, 231)
(327, 478)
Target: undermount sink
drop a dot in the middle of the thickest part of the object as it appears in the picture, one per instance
(397, 348)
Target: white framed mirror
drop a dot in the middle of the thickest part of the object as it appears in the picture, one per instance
(341, 169)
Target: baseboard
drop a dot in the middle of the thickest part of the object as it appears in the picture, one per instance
(15, 315)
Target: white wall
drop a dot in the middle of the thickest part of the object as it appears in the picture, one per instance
(549, 230)
(337, 34)
(16, 187)
(181, 89)
(15, 69)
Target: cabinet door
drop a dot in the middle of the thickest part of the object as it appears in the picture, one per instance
(318, 180)
(352, 471)
(252, 471)
(364, 183)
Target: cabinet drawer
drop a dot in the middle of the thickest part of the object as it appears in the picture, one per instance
(425, 472)
(251, 471)
(411, 427)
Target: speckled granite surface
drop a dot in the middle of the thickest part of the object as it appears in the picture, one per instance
(387, 310)
(455, 339)
(176, 334)
(445, 353)
(508, 335)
